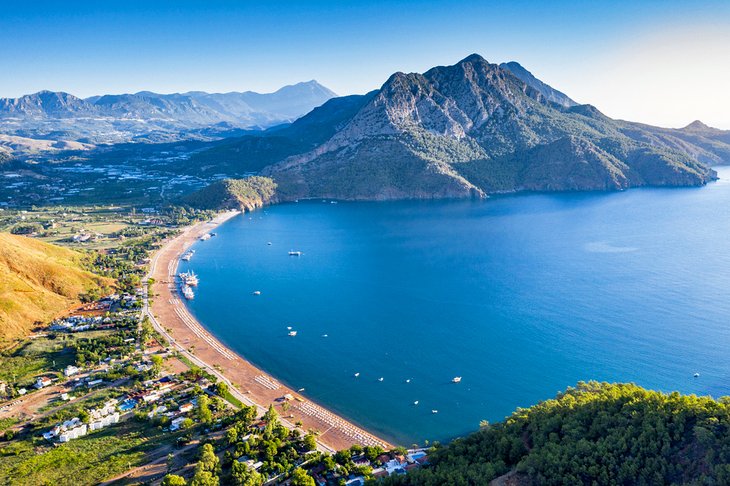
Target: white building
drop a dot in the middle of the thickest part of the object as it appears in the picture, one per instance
(70, 370)
(42, 381)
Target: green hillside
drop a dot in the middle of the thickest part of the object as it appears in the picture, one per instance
(245, 194)
(595, 434)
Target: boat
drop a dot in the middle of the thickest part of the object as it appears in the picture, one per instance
(456, 379)
(295, 253)
(408, 380)
(205, 237)
(188, 292)
(415, 403)
(357, 375)
(380, 379)
(292, 333)
(187, 256)
(434, 411)
(256, 292)
(214, 234)
(189, 278)
(697, 375)
(325, 335)
(269, 243)
(288, 328)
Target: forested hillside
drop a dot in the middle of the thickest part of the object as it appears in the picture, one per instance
(597, 433)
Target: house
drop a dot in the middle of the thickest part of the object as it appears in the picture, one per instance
(186, 407)
(42, 381)
(93, 383)
(70, 370)
(176, 423)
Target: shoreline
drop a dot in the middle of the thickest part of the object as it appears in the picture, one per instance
(247, 383)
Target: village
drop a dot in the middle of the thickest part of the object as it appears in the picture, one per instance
(108, 375)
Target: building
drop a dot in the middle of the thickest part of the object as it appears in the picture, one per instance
(176, 423)
(70, 370)
(42, 381)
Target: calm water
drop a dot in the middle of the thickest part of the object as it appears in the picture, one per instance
(521, 296)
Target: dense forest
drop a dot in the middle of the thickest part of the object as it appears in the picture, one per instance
(596, 433)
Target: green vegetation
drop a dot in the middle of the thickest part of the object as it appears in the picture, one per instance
(247, 194)
(597, 433)
(87, 460)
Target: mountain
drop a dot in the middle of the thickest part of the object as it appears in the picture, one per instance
(596, 433)
(147, 116)
(476, 128)
(550, 94)
(38, 281)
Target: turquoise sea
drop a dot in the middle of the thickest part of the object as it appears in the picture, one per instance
(522, 296)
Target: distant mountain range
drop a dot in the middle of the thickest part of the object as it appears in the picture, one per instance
(147, 116)
(470, 129)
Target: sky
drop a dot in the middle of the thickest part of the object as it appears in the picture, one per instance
(661, 62)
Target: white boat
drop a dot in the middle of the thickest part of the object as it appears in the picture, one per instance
(187, 256)
(188, 292)
(456, 379)
(292, 333)
(434, 411)
(295, 253)
(189, 278)
(415, 403)
(205, 237)
(380, 379)
(288, 328)
(325, 335)
(256, 292)
(357, 375)
(697, 375)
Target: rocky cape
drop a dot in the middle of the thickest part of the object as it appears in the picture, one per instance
(466, 130)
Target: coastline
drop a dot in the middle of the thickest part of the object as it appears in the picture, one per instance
(247, 383)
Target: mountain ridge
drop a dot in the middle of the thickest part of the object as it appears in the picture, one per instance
(440, 133)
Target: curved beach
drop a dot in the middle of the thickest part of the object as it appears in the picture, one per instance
(248, 383)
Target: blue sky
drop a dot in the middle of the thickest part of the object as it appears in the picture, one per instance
(662, 62)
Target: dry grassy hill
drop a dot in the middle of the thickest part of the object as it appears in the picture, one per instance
(37, 282)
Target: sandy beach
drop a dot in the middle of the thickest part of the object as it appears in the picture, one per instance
(248, 383)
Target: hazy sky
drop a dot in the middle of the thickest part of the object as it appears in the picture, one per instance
(661, 62)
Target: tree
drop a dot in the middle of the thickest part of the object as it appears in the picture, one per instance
(242, 475)
(221, 388)
(173, 480)
(156, 364)
(208, 460)
(204, 413)
(300, 478)
(204, 478)
(309, 442)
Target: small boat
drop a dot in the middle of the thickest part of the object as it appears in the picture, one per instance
(288, 328)
(256, 292)
(214, 234)
(269, 243)
(697, 375)
(325, 335)
(408, 380)
(381, 378)
(188, 292)
(415, 403)
(456, 379)
(295, 253)
(292, 333)
(300, 390)
(434, 411)
(205, 237)
(333, 202)
(357, 375)
(187, 256)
